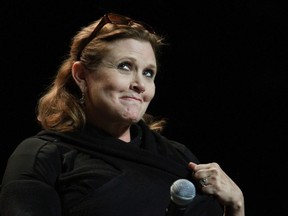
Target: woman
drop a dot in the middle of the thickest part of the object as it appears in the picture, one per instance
(99, 152)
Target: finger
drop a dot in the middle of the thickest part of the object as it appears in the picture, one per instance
(192, 165)
(195, 167)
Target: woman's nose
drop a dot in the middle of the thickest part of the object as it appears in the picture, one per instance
(138, 86)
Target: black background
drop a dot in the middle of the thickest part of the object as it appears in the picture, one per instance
(222, 84)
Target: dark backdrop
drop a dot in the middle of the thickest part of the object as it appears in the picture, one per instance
(222, 84)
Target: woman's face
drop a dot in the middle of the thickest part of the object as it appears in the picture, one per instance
(122, 87)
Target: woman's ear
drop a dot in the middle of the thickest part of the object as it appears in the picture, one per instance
(79, 75)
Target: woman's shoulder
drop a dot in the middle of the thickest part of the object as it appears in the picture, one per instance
(34, 158)
(33, 145)
(34, 150)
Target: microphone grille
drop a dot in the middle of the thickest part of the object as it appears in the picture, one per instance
(182, 192)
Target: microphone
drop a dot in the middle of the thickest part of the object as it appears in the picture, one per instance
(182, 192)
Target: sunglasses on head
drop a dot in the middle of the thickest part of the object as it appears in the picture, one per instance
(114, 19)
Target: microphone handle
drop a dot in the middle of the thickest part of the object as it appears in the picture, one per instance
(175, 210)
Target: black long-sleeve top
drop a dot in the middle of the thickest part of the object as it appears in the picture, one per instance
(90, 173)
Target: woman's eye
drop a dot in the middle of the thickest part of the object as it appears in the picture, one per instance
(128, 67)
(125, 66)
(149, 73)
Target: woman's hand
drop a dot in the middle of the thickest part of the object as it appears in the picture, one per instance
(216, 182)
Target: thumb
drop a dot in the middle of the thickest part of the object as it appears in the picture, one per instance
(192, 165)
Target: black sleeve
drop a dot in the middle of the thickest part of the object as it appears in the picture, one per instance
(28, 184)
